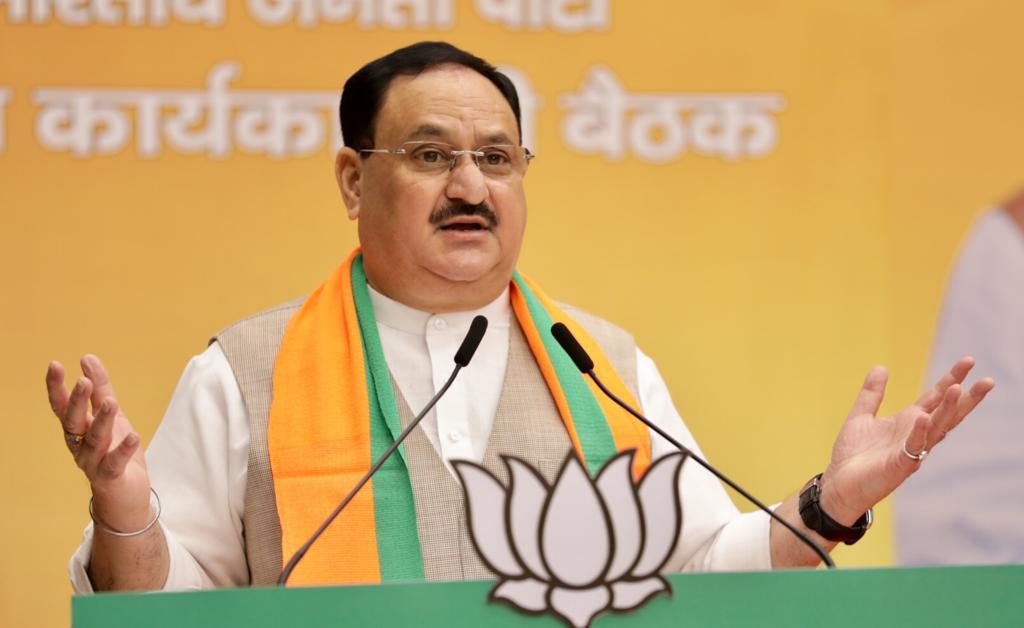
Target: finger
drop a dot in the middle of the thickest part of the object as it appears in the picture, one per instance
(97, 440)
(55, 389)
(974, 396)
(869, 399)
(943, 418)
(101, 387)
(112, 466)
(76, 419)
(931, 398)
(916, 442)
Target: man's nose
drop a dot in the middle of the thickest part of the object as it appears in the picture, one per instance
(466, 182)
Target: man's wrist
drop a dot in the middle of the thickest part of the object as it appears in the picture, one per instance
(834, 506)
(118, 514)
(818, 520)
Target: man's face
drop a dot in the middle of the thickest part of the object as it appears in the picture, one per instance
(415, 239)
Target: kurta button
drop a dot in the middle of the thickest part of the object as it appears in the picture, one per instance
(455, 436)
(440, 323)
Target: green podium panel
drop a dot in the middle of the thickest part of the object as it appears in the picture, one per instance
(858, 598)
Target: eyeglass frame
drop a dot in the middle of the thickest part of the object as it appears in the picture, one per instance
(475, 153)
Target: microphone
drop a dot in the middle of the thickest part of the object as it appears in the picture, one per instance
(586, 366)
(462, 357)
(477, 328)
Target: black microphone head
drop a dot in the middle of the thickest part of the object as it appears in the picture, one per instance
(471, 341)
(572, 347)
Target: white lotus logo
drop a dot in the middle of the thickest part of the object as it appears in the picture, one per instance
(581, 547)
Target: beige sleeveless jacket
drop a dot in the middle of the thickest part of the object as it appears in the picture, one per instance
(527, 425)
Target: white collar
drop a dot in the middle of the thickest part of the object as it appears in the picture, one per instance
(404, 318)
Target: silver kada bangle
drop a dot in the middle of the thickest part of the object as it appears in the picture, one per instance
(156, 517)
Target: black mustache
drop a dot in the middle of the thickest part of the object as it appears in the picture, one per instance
(456, 209)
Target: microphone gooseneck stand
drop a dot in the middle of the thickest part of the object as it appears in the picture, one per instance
(462, 358)
(586, 366)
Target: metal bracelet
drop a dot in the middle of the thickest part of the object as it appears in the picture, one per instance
(99, 524)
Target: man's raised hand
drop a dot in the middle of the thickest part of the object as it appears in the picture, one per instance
(874, 455)
(103, 443)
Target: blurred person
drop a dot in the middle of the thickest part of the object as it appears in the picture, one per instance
(969, 507)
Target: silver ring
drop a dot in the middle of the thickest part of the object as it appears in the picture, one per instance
(918, 457)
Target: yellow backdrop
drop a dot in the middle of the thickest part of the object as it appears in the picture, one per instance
(801, 235)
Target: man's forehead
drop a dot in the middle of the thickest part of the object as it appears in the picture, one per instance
(434, 131)
(439, 103)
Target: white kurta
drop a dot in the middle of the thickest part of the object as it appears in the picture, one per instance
(197, 460)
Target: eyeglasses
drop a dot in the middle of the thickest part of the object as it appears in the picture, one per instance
(496, 161)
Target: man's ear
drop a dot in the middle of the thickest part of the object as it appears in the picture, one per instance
(348, 170)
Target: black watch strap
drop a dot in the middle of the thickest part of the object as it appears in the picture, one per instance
(818, 520)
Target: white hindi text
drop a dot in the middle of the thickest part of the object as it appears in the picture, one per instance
(659, 127)
(115, 12)
(600, 118)
(278, 124)
(565, 16)
(213, 121)
(391, 14)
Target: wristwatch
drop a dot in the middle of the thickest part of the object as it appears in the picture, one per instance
(816, 519)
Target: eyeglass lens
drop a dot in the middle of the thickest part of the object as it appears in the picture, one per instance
(497, 160)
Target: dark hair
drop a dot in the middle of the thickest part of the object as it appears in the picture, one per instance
(364, 91)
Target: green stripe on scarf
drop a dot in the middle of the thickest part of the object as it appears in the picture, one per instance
(591, 427)
(398, 541)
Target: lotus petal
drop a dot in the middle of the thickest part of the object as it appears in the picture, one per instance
(659, 501)
(528, 594)
(616, 487)
(485, 503)
(575, 538)
(629, 594)
(580, 606)
(526, 495)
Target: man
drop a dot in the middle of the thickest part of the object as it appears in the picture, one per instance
(273, 424)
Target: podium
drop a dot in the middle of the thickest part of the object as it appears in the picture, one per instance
(858, 598)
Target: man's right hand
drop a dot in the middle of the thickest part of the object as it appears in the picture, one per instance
(108, 450)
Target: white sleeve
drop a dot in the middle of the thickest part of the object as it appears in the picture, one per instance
(714, 536)
(197, 463)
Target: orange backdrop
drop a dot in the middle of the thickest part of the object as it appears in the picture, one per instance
(783, 194)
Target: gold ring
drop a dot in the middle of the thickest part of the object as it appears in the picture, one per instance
(73, 440)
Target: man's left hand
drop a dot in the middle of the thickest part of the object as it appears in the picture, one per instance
(873, 455)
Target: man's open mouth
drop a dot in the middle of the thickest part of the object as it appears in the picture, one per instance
(465, 226)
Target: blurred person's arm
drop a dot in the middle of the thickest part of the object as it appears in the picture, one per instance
(1015, 208)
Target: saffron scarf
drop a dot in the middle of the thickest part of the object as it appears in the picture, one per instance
(334, 412)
